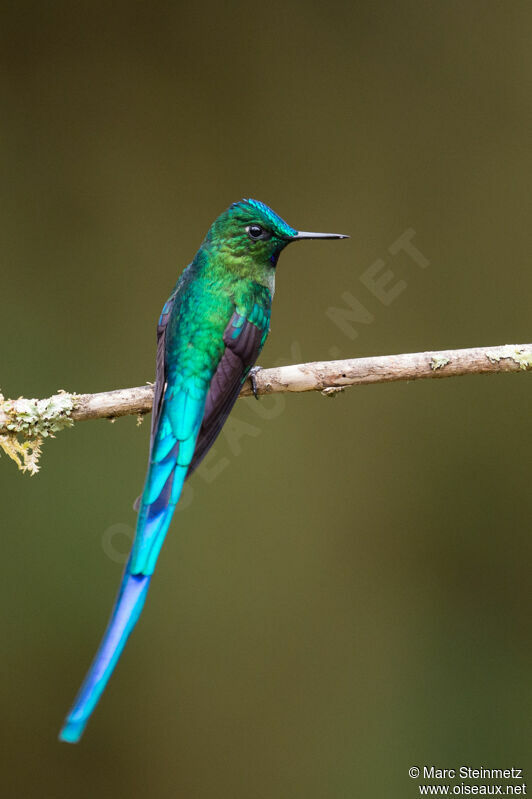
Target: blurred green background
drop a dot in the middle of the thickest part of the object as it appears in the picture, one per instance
(347, 591)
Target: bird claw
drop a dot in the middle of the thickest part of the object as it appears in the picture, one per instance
(253, 380)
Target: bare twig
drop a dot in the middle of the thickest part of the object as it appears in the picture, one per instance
(34, 418)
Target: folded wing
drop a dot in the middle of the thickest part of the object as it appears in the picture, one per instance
(244, 337)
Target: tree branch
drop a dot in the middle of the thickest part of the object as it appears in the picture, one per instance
(40, 418)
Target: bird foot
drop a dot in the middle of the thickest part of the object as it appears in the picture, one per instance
(253, 379)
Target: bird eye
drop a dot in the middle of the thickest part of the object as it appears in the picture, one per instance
(256, 232)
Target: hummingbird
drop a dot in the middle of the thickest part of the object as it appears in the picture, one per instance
(209, 335)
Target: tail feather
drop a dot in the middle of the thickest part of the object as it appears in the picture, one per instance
(171, 451)
(127, 609)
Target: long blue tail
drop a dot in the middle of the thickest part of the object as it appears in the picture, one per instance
(173, 442)
(127, 609)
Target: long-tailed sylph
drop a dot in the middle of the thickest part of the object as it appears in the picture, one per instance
(210, 333)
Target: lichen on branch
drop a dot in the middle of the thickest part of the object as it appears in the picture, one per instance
(28, 421)
(26, 453)
(520, 354)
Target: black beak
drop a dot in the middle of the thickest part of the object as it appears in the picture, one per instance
(305, 235)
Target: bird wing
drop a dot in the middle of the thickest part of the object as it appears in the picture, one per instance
(160, 361)
(160, 373)
(244, 338)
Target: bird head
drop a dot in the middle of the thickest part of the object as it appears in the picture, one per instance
(250, 229)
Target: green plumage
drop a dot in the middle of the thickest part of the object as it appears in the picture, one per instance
(210, 334)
